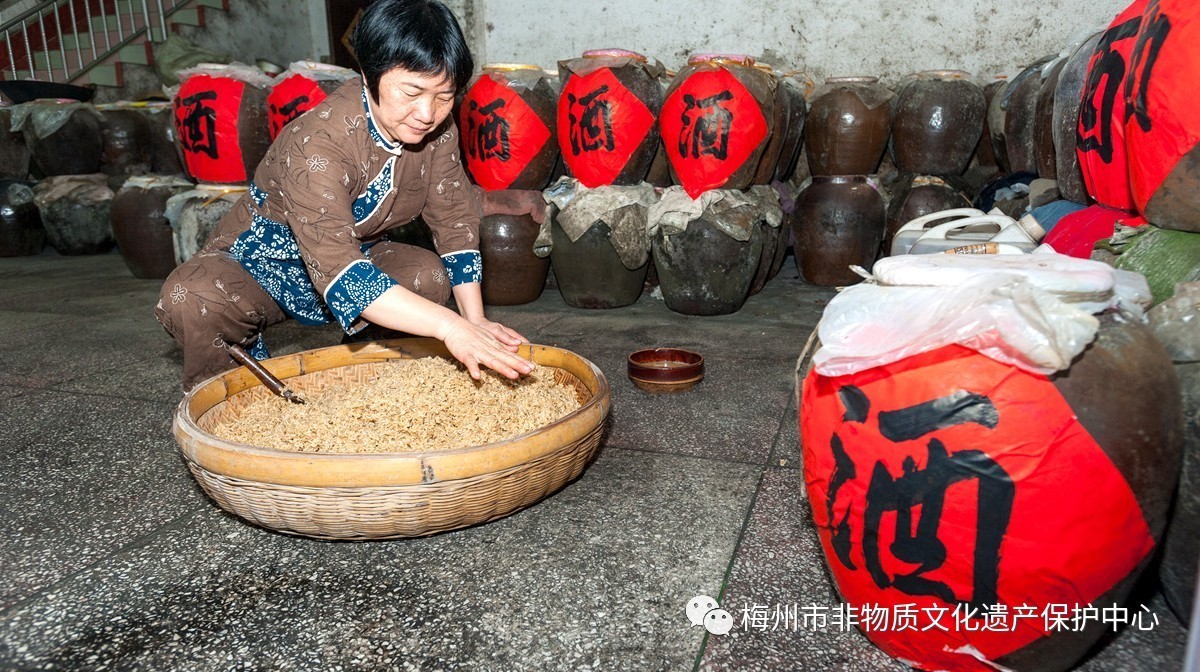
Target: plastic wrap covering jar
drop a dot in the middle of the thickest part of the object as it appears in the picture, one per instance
(848, 125)
(14, 153)
(917, 196)
(607, 116)
(1035, 490)
(1162, 127)
(21, 232)
(127, 143)
(717, 121)
(937, 120)
(74, 210)
(506, 126)
(299, 89)
(1174, 323)
(796, 87)
(195, 214)
(512, 273)
(1020, 112)
(708, 251)
(1100, 139)
(839, 222)
(1068, 96)
(221, 122)
(140, 225)
(64, 138)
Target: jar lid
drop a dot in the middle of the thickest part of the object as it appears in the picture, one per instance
(732, 59)
(615, 53)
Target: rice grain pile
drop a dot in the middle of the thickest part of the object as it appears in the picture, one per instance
(413, 405)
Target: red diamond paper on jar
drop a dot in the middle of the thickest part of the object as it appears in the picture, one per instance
(291, 98)
(206, 125)
(711, 125)
(600, 125)
(501, 134)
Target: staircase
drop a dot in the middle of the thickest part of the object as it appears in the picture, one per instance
(87, 41)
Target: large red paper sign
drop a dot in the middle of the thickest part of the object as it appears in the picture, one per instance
(291, 98)
(954, 483)
(711, 125)
(1163, 120)
(600, 125)
(501, 134)
(1100, 133)
(206, 128)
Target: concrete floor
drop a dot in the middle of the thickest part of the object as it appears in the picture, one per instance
(112, 557)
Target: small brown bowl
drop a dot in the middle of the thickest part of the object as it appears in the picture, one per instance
(665, 369)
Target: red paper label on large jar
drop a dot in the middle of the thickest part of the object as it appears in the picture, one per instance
(964, 493)
(600, 125)
(206, 128)
(711, 125)
(501, 134)
(1100, 134)
(1163, 120)
(291, 98)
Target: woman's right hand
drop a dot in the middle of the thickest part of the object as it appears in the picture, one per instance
(475, 346)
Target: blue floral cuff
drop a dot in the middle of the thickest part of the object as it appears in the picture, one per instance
(463, 267)
(355, 288)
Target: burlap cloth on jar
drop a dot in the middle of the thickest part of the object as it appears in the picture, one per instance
(623, 209)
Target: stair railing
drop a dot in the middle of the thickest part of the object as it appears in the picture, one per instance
(130, 25)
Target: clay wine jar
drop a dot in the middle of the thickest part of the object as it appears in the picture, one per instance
(589, 272)
(21, 232)
(512, 273)
(628, 86)
(14, 153)
(838, 222)
(506, 127)
(937, 120)
(994, 92)
(127, 143)
(140, 225)
(919, 195)
(1020, 108)
(847, 127)
(1043, 124)
(705, 271)
(1068, 97)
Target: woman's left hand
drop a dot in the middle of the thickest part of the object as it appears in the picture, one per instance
(507, 337)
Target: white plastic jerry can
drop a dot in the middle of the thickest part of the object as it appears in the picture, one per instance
(914, 229)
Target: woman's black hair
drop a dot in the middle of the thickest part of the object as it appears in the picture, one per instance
(421, 36)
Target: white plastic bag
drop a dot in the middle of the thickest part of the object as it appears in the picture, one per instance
(1032, 311)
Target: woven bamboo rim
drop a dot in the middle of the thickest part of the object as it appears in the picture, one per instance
(384, 495)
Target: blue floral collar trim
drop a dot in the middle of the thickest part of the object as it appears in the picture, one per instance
(376, 135)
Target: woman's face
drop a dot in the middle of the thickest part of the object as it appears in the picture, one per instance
(412, 104)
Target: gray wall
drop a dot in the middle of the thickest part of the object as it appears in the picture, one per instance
(885, 38)
(276, 30)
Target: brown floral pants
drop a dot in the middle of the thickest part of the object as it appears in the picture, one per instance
(210, 301)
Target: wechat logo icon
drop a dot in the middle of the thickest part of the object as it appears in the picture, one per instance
(704, 610)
